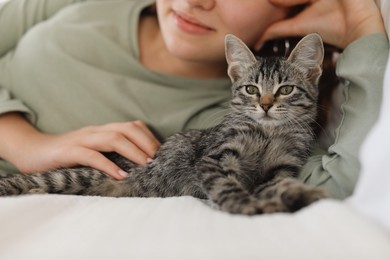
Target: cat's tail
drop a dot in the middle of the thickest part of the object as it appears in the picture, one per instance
(76, 181)
(60, 181)
(18, 184)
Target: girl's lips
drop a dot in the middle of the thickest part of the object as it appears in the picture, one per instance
(190, 24)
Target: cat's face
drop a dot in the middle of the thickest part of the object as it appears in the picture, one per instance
(275, 90)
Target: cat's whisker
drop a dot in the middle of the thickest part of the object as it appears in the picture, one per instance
(299, 122)
(322, 108)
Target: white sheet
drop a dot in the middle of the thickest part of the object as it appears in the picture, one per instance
(59, 227)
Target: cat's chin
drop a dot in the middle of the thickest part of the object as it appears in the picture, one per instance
(267, 120)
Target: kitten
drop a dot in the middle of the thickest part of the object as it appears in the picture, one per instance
(247, 164)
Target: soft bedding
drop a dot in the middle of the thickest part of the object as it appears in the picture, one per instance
(74, 227)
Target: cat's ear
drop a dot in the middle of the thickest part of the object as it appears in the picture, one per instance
(239, 57)
(309, 54)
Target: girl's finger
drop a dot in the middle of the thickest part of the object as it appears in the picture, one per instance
(115, 142)
(143, 126)
(137, 133)
(94, 159)
(143, 139)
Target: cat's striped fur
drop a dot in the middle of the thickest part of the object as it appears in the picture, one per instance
(247, 164)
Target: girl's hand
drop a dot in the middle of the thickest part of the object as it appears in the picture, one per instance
(132, 140)
(339, 22)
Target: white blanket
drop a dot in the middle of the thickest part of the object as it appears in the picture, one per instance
(55, 227)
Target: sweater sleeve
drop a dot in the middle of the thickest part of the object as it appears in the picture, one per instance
(361, 69)
(16, 18)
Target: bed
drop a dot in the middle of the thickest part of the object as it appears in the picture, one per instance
(75, 227)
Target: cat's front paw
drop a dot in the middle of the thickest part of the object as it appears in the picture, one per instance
(296, 195)
(257, 207)
(266, 207)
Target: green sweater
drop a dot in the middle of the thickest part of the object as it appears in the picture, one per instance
(72, 63)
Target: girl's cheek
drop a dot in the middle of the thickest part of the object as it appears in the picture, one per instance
(250, 22)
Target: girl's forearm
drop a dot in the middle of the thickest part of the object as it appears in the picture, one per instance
(15, 135)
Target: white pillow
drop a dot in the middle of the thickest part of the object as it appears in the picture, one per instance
(372, 194)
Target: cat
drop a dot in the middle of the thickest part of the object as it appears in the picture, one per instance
(247, 164)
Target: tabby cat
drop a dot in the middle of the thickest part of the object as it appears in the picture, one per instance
(247, 164)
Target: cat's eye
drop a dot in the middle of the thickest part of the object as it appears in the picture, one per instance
(285, 90)
(252, 90)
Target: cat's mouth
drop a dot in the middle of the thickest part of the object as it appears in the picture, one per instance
(270, 119)
(264, 118)
(267, 118)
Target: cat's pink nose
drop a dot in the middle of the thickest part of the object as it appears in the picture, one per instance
(266, 107)
(266, 102)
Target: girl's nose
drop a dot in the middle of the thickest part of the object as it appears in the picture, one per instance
(204, 4)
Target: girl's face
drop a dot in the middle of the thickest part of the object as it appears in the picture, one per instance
(194, 30)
